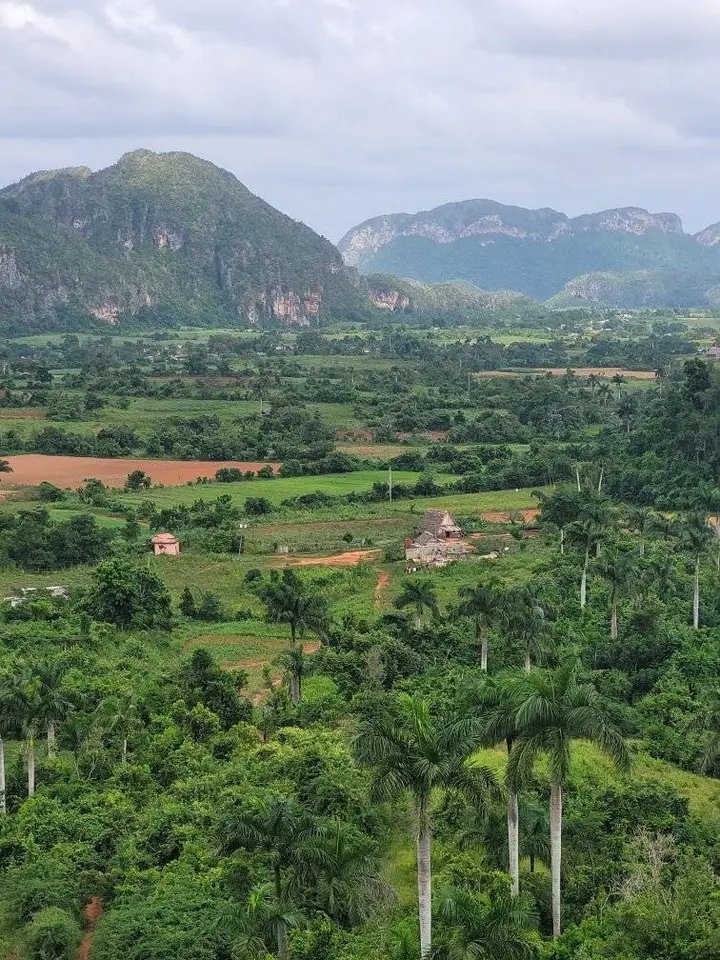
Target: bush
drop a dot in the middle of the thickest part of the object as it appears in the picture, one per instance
(229, 475)
(49, 493)
(53, 934)
(257, 506)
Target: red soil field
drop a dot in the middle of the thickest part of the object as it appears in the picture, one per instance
(21, 413)
(348, 559)
(29, 469)
(494, 516)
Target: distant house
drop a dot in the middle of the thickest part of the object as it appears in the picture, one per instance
(165, 544)
(439, 543)
(714, 351)
(441, 525)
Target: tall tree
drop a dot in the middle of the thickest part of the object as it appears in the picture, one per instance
(481, 604)
(477, 930)
(556, 708)
(290, 838)
(415, 753)
(54, 705)
(640, 521)
(523, 621)
(420, 595)
(119, 714)
(499, 706)
(620, 574)
(696, 538)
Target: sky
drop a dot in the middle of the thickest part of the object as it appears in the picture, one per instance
(339, 110)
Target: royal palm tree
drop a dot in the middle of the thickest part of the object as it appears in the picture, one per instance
(7, 718)
(586, 534)
(23, 706)
(119, 715)
(500, 706)
(293, 662)
(290, 601)
(412, 752)
(664, 525)
(261, 923)
(500, 931)
(481, 604)
(290, 838)
(54, 704)
(620, 573)
(696, 537)
(420, 595)
(535, 833)
(640, 521)
(523, 621)
(556, 709)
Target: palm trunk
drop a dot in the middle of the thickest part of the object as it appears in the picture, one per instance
(642, 548)
(282, 943)
(295, 688)
(562, 541)
(583, 580)
(123, 756)
(51, 739)
(424, 882)
(532, 863)
(484, 649)
(513, 845)
(3, 801)
(696, 595)
(528, 663)
(555, 853)
(614, 620)
(31, 766)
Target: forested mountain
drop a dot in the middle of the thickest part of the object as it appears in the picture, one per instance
(633, 258)
(161, 234)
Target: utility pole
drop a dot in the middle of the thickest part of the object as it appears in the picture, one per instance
(390, 482)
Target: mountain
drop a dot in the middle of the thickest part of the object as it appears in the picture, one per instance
(162, 235)
(536, 252)
(640, 290)
(457, 299)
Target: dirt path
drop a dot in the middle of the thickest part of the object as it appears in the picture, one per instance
(348, 559)
(382, 583)
(92, 913)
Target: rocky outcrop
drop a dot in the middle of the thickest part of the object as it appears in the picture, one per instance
(392, 300)
(9, 273)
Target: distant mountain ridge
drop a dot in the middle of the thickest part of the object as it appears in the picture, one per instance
(535, 252)
(162, 235)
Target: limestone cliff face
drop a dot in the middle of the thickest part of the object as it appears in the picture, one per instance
(164, 233)
(485, 218)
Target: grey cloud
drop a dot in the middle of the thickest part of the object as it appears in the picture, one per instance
(337, 110)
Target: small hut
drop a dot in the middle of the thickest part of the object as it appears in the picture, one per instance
(442, 525)
(165, 544)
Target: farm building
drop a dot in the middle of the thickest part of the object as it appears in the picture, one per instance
(439, 543)
(441, 525)
(165, 544)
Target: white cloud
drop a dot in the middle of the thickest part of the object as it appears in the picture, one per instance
(341, 109)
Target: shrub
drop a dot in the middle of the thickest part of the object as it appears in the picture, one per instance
(53, 934)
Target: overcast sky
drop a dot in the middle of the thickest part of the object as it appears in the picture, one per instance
(339, 110)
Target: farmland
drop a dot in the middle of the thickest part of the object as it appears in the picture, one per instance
(194, 688)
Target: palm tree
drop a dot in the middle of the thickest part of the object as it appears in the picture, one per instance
(262, 920)
(480, 604)
(119, 714)
(500, 931)
(640, 521)
(348, 888)
(421, 596)
(664, 525)
(586, 534)
(414, 753)
(22, 706)
(524, 622)
(500, 706)
(556, 709)
(53, 703)
(6, 725)
(282, 829)
(696, 536)
(708, 721)
(605, 392)
(289, 601)
(535, 833)
(621, 576)
(293, 661)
